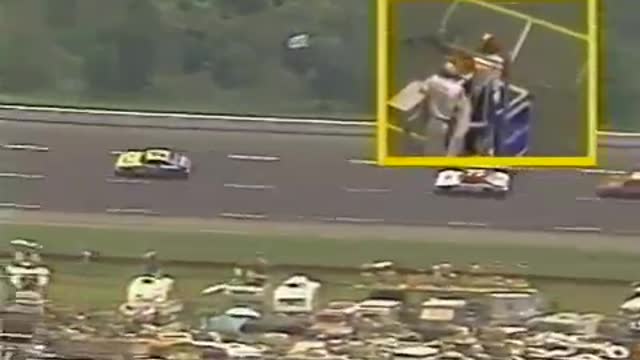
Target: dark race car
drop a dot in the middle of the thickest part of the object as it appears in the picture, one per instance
(626, 186)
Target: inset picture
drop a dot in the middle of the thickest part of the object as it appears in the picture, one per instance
(469, 83)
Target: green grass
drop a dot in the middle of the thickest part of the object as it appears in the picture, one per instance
(103, 285)
(314, 250)
(218, 103)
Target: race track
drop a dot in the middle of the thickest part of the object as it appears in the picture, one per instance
(293, 178)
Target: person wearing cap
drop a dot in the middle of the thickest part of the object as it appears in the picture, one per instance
(487, 85)
(152, 267)
(490, 64)
(261, 264)
(448, 102)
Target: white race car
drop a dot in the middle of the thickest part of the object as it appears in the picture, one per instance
(473, 181)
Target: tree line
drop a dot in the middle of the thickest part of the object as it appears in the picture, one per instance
(202, 51)
(298, 56)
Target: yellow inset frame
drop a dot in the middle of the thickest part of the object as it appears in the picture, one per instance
(593, 104)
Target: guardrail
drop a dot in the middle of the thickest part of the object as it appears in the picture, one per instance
(190, 121)
(364, 121)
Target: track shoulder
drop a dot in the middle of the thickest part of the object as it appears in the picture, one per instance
(325, 230)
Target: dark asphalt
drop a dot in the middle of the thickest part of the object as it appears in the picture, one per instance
(313, 180)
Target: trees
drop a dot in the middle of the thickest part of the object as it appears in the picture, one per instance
(235, 65)
(26, 47)
(620, 56)
(61, 13)
(130, 47)
(135, 46)
(207, 52)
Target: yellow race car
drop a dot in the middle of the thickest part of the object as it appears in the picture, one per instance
(153, 163)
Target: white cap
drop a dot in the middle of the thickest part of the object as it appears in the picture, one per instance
(450, 68)
(487, 36)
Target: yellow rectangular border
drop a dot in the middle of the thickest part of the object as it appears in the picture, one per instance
(382, 123)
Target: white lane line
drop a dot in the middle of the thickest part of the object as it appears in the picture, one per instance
(466, 224)
(127, 181)
(362, 162)
(588, 198)
(617, 200)
(223, 232)
(20, 206)
(10, 175)
(7, 217)
(582, 171)
(130, 211)
(249, 187)
(248, 157)
(603, 171)
(242, 216)
(25, 147)
(366, 190)
(354, 220)
(577, 228)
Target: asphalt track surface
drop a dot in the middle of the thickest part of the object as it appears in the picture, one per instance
(298, 178)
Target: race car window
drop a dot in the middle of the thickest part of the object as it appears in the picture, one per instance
(156, 162)
(158, 155)
(129, 158)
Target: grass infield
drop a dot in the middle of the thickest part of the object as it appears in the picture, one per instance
(101, 284)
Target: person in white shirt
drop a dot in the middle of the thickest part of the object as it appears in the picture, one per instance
(448, 102)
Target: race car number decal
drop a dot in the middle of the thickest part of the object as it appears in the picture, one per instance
(476, 173)
(447, 178)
